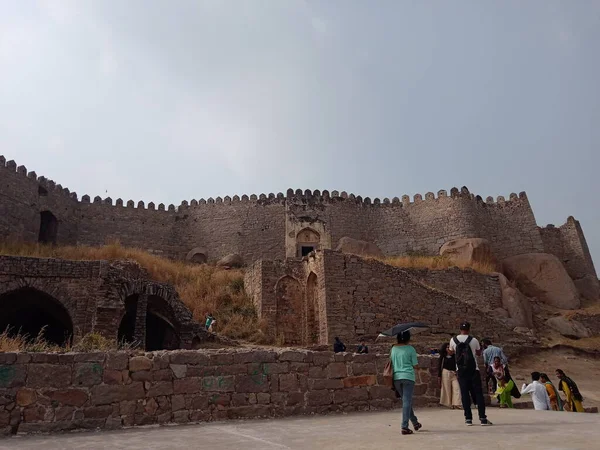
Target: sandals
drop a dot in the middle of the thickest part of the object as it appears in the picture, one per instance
(417, 426)
(407, 431)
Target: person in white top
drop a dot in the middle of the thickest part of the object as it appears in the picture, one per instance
(539, 394)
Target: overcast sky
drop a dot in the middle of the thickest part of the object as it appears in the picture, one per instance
(170, 100)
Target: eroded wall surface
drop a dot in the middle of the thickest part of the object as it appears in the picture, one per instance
(56, 392)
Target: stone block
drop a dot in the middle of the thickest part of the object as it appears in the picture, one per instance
(364, 368)
(104, 394)
(255, 356)
(424, 362)
(69, 397)
(12, 376)
(177, 402)
(381, 392)
(234, 369)
(363, 380)
(41, 358)
(181, 416)
(200, 416)
(218, 384)
(139, 363)
(97, 412)
(117, 361)
(164, 417)
(190, 357)
(87, 374)
(350, 395)
(316, 372)
(337, 370)
(48, 375)
(295, 398)
(4, 419)
(325, 383)
(34, 413)
(299, 367)
(162, 375)
(142, 375)
(238, 399)
(63, 413)
(26, 397)
(187, 386)
(8, 358)
(160, 388)
(293, 356)
(249, 412)
(113, 377)
(113, 423)
(179, 370)
(263, 398)
(318, 398)
(322, 358)
(420, 389)
(221, 359)
(288, 382)
(98, 357)
(251, 383)
(151, 407)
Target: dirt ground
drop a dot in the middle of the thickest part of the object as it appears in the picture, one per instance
(583, 368)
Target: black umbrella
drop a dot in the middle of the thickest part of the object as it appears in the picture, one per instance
(413, 327)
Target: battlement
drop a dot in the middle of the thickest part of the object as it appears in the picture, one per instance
(43, 182)
(297, 196)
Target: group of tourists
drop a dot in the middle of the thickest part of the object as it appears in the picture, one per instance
(461, 382)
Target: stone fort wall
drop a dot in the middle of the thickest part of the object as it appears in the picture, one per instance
(55, 392)
(269, 226)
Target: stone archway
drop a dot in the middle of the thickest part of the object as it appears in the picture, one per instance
(307, 240)
(126, 333)
(161, 326)
(27, 311)
(289, 314)
(197, 255)
(312, 314)
(48, 228)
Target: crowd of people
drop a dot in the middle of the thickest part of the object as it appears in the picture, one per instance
(461, 382)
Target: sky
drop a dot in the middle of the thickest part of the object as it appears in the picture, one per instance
(167, 101)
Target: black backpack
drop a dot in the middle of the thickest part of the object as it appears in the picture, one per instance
(465, 360)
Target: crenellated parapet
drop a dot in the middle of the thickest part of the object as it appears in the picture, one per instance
(47, 186)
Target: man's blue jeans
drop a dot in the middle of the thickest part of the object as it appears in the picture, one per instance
(405, 389)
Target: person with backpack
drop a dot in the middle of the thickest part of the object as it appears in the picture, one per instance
(466, 349)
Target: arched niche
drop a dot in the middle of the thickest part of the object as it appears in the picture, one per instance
(307, 240)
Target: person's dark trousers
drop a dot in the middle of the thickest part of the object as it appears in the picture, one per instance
(470, 387)
(490, 376)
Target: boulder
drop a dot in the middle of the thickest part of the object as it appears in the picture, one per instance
(468, 251)
(543, 276)
(518, 306)
(231, 260)
(568, 328)
(358, 247)
(588, 287)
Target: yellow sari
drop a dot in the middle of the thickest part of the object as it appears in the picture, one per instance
(574, 405)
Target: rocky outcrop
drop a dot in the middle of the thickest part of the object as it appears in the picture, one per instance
(516, 304)
(358, 247)
(231, 260)
(468, 251)
(588, 287)
(543, 276)
(568, 327)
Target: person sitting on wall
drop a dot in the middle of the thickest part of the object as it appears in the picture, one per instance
(338, 346)
(362, 348)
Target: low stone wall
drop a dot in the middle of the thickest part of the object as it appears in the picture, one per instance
(55, 392)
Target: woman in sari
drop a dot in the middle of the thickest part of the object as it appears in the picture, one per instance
(574, 401)
(555, 400)
(505, 383)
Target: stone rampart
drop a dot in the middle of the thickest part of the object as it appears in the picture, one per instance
(56, 392)
(267, 226)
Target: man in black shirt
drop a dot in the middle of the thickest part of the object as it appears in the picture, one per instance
(338, 346)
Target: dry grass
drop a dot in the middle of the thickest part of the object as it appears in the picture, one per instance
(203, 288)
(438, 263)
(15, 342)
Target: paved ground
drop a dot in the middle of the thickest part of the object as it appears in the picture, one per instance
(523, 429)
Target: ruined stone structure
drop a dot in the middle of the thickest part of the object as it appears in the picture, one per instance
(281, 226)
(328, 294)
(56, 392)
(73, 298)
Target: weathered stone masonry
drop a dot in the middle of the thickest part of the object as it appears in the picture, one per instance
(279, 226)
(330, 294)
(54, 392)
(78, 297)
